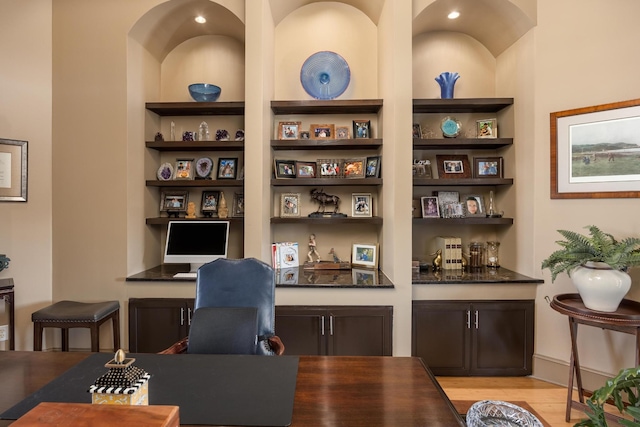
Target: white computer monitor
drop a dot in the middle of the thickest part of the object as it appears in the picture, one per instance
(196, 242)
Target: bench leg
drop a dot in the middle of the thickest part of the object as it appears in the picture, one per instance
(37, 336)
(65, 339)
(94, 329)
(116, 330)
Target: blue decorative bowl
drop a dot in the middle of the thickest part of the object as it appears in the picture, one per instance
(204, 92)
(325, 75)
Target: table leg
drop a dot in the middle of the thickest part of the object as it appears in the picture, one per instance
(12, 321)
(574, 369)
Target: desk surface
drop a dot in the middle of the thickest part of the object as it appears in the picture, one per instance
(330, 390)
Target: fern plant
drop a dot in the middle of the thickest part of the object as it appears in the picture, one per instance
(624, 385)
(599, 246)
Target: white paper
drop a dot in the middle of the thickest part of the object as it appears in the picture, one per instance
(5, 170)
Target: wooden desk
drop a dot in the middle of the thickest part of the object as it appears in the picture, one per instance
(6, 293)
(626, 319)
(330, 390)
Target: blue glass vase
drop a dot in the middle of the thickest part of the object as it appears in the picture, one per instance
(447, 81)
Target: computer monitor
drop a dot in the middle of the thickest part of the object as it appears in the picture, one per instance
(196, 242)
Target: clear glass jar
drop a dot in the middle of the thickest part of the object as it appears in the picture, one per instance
(476, 255)
(493, 257)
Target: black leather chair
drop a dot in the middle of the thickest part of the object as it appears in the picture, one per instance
(244, 282)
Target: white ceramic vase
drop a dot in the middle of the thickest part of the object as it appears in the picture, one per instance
(600, 287)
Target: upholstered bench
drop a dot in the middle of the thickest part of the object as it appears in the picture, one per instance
(73, 314)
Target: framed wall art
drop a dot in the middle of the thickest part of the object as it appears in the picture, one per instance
(487, 167)
(184, 169)
(306, 169)
(289, 130)
(364, 255)
(285, 168)
(594, 151)
(362, 128)
(13, 170)
(290, 205)
(487, 128)
(227, 168)
(453, 166)
(323, 132)
(361, 205)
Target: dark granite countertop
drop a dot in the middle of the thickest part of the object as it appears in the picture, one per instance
(285, 278)
(484, 275)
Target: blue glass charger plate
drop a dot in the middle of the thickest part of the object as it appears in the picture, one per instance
(325, 75)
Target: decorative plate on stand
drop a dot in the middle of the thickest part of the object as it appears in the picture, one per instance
(325, 75)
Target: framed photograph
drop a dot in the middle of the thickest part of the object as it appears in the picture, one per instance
(473, 205)
(285, 168)
(13, 170)
(487, 128)
(361, 205)
(364, 277)
(362, 129)
(342, 132)
(304, 134)
(290, 205)
(585, 167)
(227, 168)
(289, 130)
(330, 168)
(322, 132)
(364, 255)
(417, 131)
(453, 166)
(487, 167)
(174, 201)
(416, 209)
(430, 207)
(184, 169)
(452, 210)
(422, 168)
(306, 169)
(373, 167)
(445, 199)
(209, 204)
(354, 168)
(237, 210)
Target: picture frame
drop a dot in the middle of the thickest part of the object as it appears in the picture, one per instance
(305, 169)
(361, 129)
(174, 201)
(488, 167)
(304, 134)
(330, 168)
(445, 200)
(361, 206)
(184, 169)
(417, 131)
(582, 169)
(342, 132)
(364, 255)
(487, 128)
(13, 170)
(453, 166)
(422, 169)
(452, 210)
(430, 207)
(373, 167)
(289, 130)
(473, 205)
(237, 208)
(354, 168)
(209, 203)
(364, 277)
(323, 131)
(227, 167)
(416, 208)
(290, 205)
(285, 169)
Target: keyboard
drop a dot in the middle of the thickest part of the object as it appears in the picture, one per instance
(185, 275)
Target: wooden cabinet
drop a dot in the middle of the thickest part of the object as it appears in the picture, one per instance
(335, 330)
(157, 323)
(483, 338)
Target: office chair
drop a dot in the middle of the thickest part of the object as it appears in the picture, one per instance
(236, 283)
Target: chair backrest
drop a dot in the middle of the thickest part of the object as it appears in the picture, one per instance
(223, 330)
(244, 282)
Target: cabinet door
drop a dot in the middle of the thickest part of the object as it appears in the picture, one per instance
(441, 336)
(302, 329)
(360, 331)
(503, 338)
(157, 323)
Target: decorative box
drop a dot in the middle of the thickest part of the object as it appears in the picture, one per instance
(123, 384)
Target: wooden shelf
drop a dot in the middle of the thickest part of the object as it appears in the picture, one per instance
(196, 145)
(449, 182)
(349, 106)
(464, 221)
(461, 143)
(325, 182)
(165, 220)
(461, 105)
(332, 221)
(196, 108)
(206, 183)
(321, 144)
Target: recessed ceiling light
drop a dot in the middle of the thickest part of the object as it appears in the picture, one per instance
(200, 19)
(453, 15)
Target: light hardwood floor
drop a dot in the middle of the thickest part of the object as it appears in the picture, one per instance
(548, 400)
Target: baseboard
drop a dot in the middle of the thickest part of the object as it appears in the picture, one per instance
(557, 372)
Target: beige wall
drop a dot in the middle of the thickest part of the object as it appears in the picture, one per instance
(79, 102)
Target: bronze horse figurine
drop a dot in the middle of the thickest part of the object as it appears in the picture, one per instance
(323, 199)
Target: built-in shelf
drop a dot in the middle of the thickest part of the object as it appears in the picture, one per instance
(348, 106)
(329, 221)
(461, 105)
(322, 144)
(449, 182)
(482, 275)
(196, 183)
(461, 143)
(196, 108)
(165, 220)
(196, 145)
(464, 221)
(290, 182)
